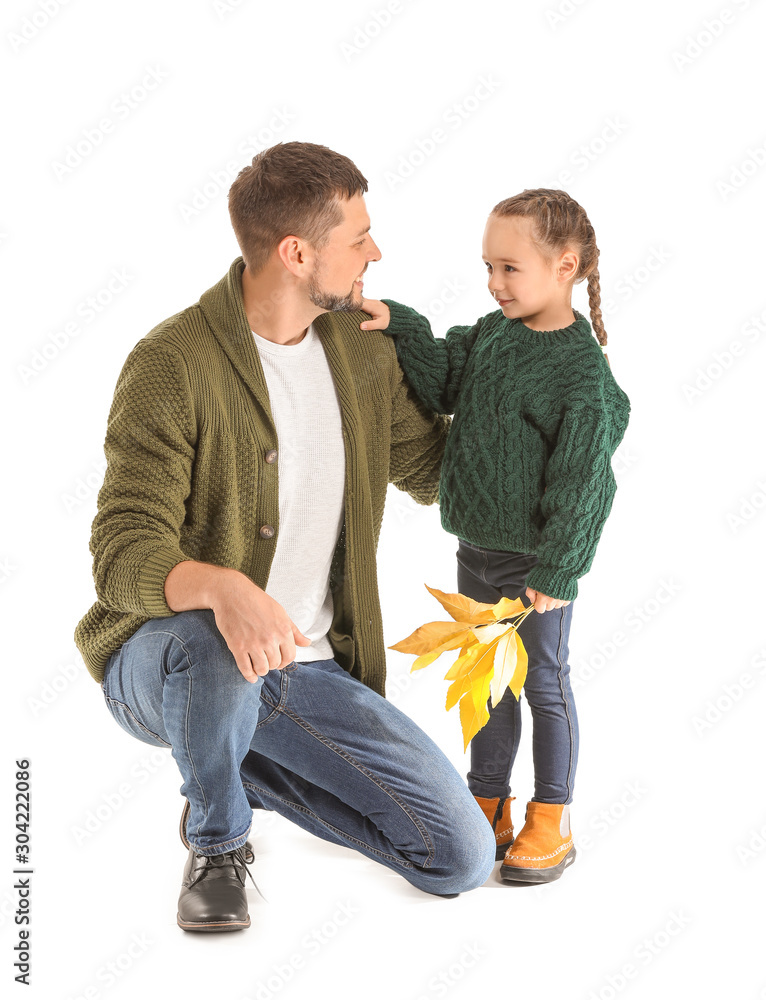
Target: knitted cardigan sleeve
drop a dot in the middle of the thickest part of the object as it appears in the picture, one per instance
(433, 366)
(149, 450)
(579, 490)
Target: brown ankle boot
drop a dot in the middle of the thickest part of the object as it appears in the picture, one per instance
(498, 813)
(543, 848)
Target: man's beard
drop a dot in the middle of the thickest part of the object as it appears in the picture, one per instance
(329, 301)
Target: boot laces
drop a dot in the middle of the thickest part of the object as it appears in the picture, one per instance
(230, 859)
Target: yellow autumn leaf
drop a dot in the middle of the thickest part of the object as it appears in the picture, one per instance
(462, 608)
(475, 679)
(485, 661)
(424, 659)
(471, 718)
(456, 690)
(463, 663)
(505, 665)
(488, 633)
(520, 673)
(506, 608)
(481, 677)
(429, 636)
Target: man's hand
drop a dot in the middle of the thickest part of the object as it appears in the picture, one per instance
(257, 629)
(544, 603)
(381, 315)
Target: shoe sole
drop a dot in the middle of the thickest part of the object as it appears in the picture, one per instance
(222, 925)
(510, 874)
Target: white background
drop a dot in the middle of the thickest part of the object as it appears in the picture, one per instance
(666, 154)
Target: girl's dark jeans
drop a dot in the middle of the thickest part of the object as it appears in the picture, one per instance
(487, 575)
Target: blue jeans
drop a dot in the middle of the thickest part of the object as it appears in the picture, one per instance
(487, 575)
(309, 742)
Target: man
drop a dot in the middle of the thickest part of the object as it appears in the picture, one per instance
(249, 446)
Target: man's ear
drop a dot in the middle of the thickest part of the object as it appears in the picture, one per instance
(296, 255)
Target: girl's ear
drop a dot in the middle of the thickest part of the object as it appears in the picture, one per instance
(568, 265)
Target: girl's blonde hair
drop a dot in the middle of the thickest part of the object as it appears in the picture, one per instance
(559, 223)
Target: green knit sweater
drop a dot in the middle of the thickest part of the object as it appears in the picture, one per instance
(187, 475)
(537, 417)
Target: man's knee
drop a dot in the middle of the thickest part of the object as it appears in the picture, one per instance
(197, 623)
(468, 853)
(199, 643)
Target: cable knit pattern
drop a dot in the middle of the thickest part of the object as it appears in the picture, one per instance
(537, 418)
(187, 478)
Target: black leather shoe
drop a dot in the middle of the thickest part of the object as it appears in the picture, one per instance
(213, 896)
(249, 853)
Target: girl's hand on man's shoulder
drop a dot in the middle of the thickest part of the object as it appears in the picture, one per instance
(381, 315)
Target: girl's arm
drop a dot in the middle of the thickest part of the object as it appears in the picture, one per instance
(580, 488)
(433, 366)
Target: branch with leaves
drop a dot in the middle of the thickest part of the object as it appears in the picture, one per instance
(492, 655)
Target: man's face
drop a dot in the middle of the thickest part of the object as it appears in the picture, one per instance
(336, 282)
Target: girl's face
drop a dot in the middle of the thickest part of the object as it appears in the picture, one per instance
(520, 281)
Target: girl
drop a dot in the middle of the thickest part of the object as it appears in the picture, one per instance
(526, 485)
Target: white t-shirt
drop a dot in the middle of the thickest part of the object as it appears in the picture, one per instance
(312, 474)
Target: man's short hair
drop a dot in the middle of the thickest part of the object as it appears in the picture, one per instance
(292, 188)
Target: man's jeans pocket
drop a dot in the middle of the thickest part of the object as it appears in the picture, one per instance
(123, 716)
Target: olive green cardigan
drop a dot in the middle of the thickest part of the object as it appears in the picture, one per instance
(187, 477)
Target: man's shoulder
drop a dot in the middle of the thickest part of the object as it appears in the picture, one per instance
(179, 331)
(185, 335)
(365, 349)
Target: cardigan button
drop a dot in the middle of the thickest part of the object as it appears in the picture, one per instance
(267, 531)
(271, 456)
